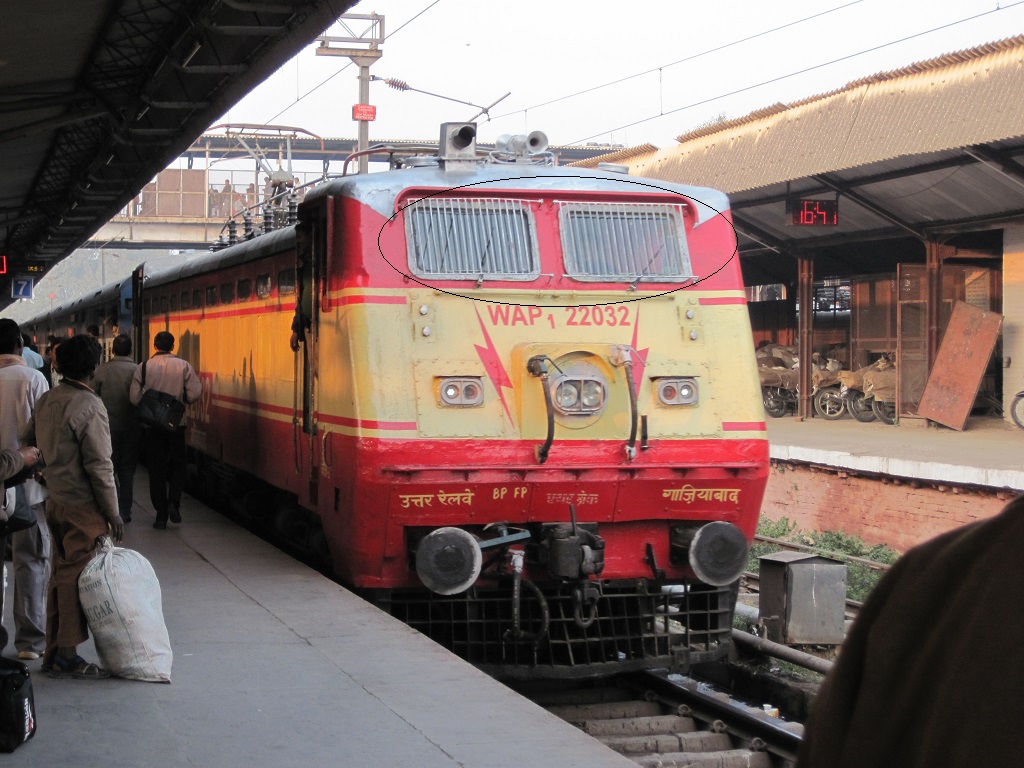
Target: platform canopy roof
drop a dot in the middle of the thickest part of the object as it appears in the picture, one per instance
(931, 151)
(98, 96)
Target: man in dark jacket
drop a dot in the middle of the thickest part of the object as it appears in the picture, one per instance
(113, 382)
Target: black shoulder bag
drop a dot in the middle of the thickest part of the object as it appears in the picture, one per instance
(158, 409)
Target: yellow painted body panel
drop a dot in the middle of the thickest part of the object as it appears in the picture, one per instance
(393, 355)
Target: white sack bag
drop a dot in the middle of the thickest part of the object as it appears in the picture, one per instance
(120, 595)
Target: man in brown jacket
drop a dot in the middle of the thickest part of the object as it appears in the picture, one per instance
(71, 430)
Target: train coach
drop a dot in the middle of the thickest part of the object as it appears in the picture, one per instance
(526, 419)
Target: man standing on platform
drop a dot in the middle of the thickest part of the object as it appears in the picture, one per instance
(33, 358)
(20, 388)
(113, 382)
(165, 451)
(70, 428)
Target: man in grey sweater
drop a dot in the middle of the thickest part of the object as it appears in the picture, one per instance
(165, 450)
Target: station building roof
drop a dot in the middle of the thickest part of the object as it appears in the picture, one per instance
(930, 151)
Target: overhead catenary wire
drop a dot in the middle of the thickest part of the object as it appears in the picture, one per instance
(588, 90)
(691, 57)
(805, 70)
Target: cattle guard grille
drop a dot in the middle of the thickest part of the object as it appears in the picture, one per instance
(638, 626)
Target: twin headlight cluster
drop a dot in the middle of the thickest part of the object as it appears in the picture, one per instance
(571, 395)
(582, 395)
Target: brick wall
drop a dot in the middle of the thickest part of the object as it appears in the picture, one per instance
(891, 511)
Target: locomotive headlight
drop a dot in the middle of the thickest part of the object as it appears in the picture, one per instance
(576, 395)
(593, 394)
(461, 391)
(682, 391)
(566, 395)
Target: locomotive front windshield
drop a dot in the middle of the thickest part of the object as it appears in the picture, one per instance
(611, 242)
(473, 239)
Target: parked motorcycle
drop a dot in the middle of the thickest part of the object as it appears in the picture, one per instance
(779, 390)
(778, 401)
(1017, 409)
(880, 389)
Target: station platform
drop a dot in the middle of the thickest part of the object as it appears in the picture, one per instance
(276, 665)
(989, 452)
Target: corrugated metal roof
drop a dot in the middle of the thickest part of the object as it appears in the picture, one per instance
(969, 97)
(957, 101)
(622, 156)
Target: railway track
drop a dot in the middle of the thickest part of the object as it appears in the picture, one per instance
(660, 720)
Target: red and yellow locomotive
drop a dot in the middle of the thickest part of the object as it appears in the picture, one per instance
(526, 420)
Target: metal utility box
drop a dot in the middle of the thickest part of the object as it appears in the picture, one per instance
(802, 599)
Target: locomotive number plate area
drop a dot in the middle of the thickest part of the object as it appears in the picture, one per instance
(601, 316)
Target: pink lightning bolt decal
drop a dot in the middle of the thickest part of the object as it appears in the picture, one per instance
(492, 364)
(640, 359)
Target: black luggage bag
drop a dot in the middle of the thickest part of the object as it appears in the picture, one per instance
(17, 705)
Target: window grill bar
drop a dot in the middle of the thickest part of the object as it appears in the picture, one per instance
(619, 227)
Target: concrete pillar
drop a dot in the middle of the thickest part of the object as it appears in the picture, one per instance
(1013, 313)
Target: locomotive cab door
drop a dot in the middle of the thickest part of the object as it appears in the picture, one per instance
(139, 331)
(311, 255)
(306, 301)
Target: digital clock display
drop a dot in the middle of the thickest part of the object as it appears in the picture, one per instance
(814, 213)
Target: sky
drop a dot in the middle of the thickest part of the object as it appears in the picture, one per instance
(611, 72)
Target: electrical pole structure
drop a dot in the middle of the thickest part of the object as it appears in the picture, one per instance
(372, 36)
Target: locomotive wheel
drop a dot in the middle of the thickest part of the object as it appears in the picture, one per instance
(858, 407)
(829, 404)
(886, 412)
(1017, 410)
(774, 402)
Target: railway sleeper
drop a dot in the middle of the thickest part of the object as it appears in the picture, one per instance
(639, 726)
(601, 695)
(731, 758)
(667, 744)
(615, 710)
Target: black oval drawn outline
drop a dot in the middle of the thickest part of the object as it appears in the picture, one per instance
(393, 216)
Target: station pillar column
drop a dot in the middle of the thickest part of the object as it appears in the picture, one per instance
(805, 331)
